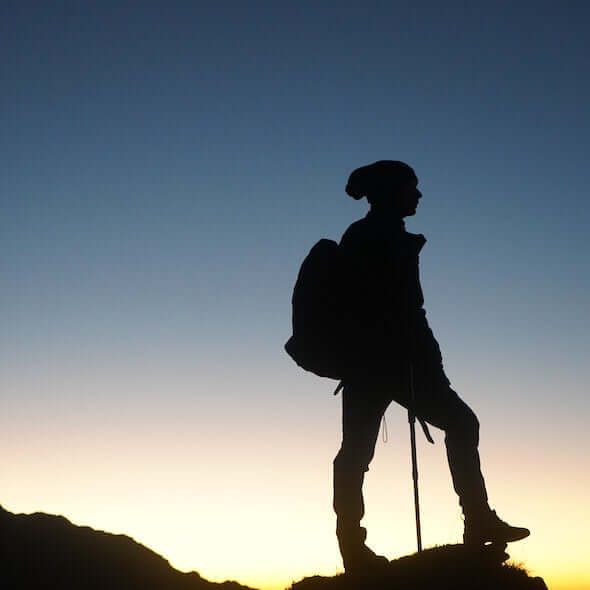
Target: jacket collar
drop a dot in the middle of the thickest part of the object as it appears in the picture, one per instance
(395, 227)
(386, 219)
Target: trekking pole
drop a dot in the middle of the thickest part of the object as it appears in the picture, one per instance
(412, 421)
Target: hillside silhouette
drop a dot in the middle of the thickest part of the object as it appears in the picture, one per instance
(43, 551)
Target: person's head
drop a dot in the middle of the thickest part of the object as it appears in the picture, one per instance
(386, 184)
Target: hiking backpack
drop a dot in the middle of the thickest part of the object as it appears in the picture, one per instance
(319, 311)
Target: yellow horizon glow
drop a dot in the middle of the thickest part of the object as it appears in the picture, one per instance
(255, 507)
(261, 574)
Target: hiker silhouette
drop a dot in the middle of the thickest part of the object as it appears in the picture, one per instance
(390, 354)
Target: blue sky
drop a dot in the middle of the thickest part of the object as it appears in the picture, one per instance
(167, 167)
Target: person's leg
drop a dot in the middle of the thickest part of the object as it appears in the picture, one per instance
(362, 410)
(440, 406)
(447, 411)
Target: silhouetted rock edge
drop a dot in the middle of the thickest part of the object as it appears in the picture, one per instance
(46, 551)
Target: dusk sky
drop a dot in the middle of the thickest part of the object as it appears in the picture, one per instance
(167, 166)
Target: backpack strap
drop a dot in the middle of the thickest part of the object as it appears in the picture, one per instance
(339, 388)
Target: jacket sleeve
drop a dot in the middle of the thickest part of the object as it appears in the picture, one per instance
(426, 346)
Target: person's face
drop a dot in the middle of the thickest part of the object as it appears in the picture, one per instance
(407, 198)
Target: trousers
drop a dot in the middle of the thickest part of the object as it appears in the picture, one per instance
(364, 402)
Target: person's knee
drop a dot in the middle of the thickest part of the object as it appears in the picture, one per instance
(472, 428)
(353, 458)
(465, 427)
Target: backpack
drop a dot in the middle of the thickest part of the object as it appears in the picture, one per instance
(319, 313)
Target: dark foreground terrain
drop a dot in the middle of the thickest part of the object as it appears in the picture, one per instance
(450, 567)
(42, 551)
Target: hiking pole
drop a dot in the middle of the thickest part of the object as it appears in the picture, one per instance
(412, 421)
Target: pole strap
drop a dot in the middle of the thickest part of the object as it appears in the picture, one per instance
(425, 430)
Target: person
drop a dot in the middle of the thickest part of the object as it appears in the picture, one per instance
(394, 348)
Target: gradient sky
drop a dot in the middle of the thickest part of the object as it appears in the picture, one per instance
(167, 165)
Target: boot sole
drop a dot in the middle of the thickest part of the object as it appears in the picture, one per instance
(498, 540)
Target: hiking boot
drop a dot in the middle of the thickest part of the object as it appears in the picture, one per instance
(356, 556)
(487, 527)
(363, 561)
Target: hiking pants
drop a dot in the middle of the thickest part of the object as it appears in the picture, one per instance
(363, 404)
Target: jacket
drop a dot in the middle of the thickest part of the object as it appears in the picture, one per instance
(382, 281)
